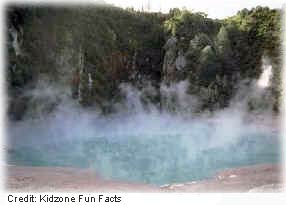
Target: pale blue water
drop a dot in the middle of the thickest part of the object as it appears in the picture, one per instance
(155, 159)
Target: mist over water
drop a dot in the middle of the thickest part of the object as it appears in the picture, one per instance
(144, 145)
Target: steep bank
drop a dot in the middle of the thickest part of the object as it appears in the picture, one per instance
(86, 53)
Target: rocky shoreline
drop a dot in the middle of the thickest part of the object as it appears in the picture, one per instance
(256, 178)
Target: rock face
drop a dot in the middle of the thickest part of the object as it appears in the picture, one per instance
(174, 61)
(169, 65)
(181, 61)
(16, 38)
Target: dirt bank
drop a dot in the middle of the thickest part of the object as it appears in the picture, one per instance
(258, 178)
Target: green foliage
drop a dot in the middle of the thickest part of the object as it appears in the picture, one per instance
(220, 54)
(262, 29)
(200, 41)
(101, 43)
(55, 37)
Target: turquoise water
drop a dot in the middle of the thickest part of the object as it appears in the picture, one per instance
(158, 160)
(179, 152)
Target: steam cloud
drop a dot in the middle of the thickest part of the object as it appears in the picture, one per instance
(140, 143)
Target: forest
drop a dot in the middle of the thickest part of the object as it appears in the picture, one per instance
(88, 52)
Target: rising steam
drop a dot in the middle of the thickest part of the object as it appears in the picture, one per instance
(265, 77)
(143, 143)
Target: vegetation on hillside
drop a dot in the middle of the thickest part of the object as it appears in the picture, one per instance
(93, 50)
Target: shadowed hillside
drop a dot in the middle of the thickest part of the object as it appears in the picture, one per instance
(86, 53)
